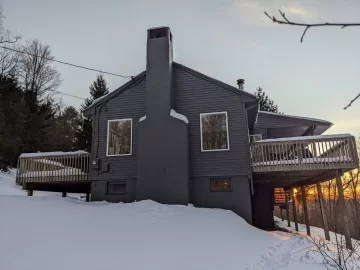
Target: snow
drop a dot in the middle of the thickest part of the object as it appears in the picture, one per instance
(142, 118)
(315, 160)
(182, 117)
(298, 117)
(51, 162)
(62, 172)
(47, 154)
(50, 232)
(303, 138)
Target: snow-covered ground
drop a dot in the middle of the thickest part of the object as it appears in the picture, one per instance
(50, 232)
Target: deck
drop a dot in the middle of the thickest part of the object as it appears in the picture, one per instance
(307, 159)
(55, 171)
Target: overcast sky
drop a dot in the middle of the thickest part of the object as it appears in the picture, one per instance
(225, 39)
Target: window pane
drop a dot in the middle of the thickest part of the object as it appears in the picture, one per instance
(214, 131)
(119, 141)
(220, 185)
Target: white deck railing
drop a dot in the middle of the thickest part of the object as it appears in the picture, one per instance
(304, 153)
(53, 167)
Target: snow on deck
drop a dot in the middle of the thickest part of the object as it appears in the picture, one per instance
(304, 138)
(63, 172)
(50, 232)
(315, 160)
(47, 154)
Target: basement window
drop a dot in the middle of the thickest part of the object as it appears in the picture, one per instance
(116, 188)
(220, 184)
(214, 131)
(119, 137)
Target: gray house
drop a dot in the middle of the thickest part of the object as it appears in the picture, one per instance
(177, 136)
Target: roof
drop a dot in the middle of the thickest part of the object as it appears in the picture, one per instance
(135, 80)
(214, 81)
(325, 122)
(142, 75)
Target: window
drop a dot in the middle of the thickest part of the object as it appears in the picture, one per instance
(220, 184)
(115, 188)
(214, 131)
(119, 140)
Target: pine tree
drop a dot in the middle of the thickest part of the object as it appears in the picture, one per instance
(11, 120)
(97, 89)
(266, 104)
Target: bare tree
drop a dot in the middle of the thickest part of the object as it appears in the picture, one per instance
(307, 26)
(8, 59)
(35, 72)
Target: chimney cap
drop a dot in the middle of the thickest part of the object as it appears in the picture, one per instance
(240, 81)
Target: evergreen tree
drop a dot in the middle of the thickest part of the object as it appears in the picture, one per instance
(266, 104)
(11, 120)
(64, 131)
(97, 89)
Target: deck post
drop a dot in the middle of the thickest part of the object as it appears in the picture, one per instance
(343, 210)
(303, 195)
(30, 192)
(87, 197)
(63, 194)
(287, 198)
(323, 212)
(281, 213)
(294, 209)
(287, 213)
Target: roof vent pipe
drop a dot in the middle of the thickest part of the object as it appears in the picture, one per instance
(240, 83)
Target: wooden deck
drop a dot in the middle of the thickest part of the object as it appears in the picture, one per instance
(309, 159)
(68, 172)
(304, 153)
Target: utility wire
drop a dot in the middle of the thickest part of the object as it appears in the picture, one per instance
(66, 63)
(65, 94)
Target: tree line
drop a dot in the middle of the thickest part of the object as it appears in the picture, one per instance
(32, 115)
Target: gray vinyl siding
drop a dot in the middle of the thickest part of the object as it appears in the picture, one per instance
(129, 104)
(193, 96)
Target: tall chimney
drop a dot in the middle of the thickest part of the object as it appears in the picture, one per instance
(159, 92)
(162, 137)
(240, 83)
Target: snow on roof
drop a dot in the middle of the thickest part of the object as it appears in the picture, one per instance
(179, 116)
(297, 117)
(48, 154)
(319, 137)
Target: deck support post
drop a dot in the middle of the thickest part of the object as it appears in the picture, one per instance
(63, 194)
(307, 223)
(281, 213)
(343, 210)
(287, 214)
(30, 192)
(294, 209)
(87, 197)
(323, 212)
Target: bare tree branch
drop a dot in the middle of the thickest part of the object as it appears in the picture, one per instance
(352, 101)
(286, 21)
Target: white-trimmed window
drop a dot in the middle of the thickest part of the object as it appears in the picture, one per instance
(214, 131)
(119, 137)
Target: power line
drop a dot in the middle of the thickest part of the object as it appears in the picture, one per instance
(66, 63)
(65, 94)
